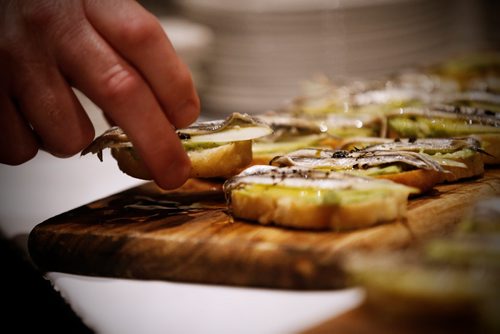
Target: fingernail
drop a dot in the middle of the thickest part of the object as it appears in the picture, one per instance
(56, 154)
(61, 155)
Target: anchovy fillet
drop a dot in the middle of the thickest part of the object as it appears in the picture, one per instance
(235, 119)
(111, 138)
(428, 145)
(343, 160)
(468, 114)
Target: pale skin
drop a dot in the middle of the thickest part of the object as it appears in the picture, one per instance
(117, 54)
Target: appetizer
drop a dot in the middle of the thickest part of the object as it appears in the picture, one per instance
(289, 134)
(408, 168)
(442, 121)
(410, 286)
(314, 199)
(452, 278)
(295, 132)
(218, 148)
(479, 71)
(460, 157)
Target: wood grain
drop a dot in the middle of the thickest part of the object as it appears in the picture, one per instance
(141, 234)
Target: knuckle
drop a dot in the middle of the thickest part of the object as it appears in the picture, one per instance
(53, 20)
(64, 132)
(40, 13)
(11, 42)
(141, 30)
(118, 82)
(15, 49)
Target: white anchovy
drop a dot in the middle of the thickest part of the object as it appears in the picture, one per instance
(112, 138)
(408, 93)
(468, 114)
(417, 80)
(291, 123)
(427, 145)
(344, 160)
(353, 120)
(363, 141)
(387, 95)
(479, 96)
(467, 111)
(297, 177)
(316, 125)
(208, 127)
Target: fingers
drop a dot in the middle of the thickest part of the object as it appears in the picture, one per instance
(19, 143)
(138, 36)
(133, 75)
(53, 111)
(46, 114)
(115, 86)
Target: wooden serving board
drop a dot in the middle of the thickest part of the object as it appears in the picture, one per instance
(367, 320)
(141, 233)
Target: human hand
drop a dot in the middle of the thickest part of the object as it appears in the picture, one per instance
(113, 51)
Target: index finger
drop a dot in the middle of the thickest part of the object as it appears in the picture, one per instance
(115, 86)
(138, 37)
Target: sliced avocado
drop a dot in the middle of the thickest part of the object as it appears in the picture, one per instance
(317, 196)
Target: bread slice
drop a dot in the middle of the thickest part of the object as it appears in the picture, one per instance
(422, 179)
(220, 161)
(289, 211)
(474, 168)
(313, 199)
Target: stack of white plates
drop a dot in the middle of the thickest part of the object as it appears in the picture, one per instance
(192, 42)
(264, 49)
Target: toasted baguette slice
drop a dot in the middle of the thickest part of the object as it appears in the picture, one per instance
(221, 161)
(474, 168)
(313, 199)
(422, 179)
(290, 212)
